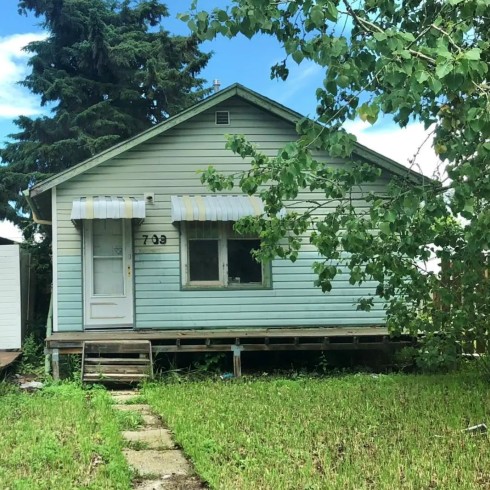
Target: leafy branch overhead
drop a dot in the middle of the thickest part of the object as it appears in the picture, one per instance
(426, 62)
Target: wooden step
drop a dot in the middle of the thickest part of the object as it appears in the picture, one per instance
(116, 360)
(111, 368)
(135, 366)
(117, 347)
(121, 377)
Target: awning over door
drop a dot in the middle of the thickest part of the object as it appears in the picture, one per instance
(215, 208)
(108, 207)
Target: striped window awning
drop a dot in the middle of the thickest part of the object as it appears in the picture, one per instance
(108, 207)
(215, 208)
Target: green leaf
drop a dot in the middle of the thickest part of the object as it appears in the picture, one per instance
(472, 54)
(368, 112)
(222, 16)
(343, 81)
(390, 216)
(316, 16)
(435, 85)
(469, 206)
(421, 76)
(202, 16)
(332, 13)
(298, 56)
(385, 227)
(331, 87)
(380, 36)
(410, 204)
(443, 69)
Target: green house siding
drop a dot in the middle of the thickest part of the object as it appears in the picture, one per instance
(167, 165)
(161, 303)
(70, 295)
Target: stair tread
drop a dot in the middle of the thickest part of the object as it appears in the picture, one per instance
(116, 360)
(135, 342)
(114, 375)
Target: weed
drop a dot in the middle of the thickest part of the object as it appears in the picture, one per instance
(128, 420)
(136, 400)
(438, 353)
(137, 445)
(32, 361)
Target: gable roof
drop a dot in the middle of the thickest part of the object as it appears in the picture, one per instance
(233, 90)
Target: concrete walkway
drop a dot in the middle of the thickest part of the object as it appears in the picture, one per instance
(151, 451)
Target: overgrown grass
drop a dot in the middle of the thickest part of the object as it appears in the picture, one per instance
(349, 432)
(62, 437)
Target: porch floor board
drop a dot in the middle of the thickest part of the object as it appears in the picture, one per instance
(71, 342)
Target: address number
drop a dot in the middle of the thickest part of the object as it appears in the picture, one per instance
(155, 239)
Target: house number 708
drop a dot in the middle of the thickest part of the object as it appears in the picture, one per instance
(155, 239)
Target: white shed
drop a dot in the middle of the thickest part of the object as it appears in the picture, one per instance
(14, 268)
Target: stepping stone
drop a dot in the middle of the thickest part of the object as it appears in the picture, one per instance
(153, 485)
(153, 438)
(150, 462)
(172, 483)
(140, 408)
(151, 420)
(124, 392)
(123, 397)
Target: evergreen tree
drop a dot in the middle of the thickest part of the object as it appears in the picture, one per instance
(108, 71)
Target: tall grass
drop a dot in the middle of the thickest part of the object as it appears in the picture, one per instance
(349, 432)
(60, 438)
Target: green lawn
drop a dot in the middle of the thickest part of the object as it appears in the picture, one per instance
(349, 432)
(61, 438)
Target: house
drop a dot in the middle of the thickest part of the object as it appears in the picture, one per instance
(142, 251)
(15, 303)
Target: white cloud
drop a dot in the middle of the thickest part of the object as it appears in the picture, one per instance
(301, 79)
(400, 144)
(14, 99)
(9, 230)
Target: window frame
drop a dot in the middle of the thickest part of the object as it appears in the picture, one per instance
(224, 228)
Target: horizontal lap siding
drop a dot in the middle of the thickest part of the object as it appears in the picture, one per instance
(167, 165)
(10, 302)
(69, 292)
(293, 300)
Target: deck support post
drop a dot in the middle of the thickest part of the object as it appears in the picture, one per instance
(55, 364)
(237, 360)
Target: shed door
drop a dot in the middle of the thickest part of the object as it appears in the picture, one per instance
(108, 265)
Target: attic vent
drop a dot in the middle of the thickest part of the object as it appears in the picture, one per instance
(222, 118)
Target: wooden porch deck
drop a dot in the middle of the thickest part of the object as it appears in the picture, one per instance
(235, 341)
(257, 339)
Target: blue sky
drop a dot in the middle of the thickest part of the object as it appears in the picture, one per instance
(238, 60)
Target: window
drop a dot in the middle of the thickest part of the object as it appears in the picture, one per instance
(214, 255)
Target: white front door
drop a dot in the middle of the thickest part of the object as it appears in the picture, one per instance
(108, 281)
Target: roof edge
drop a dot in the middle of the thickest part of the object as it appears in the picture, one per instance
(125, 145)
(236, 89)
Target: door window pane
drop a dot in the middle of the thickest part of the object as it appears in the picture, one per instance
(107, 237)
(242, 267)
(203, 260)
(108, 276)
